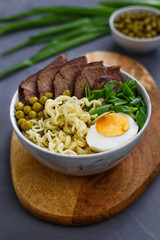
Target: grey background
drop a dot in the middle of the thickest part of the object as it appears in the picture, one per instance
(139, 221)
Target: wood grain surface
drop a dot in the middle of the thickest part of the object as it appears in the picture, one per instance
(69, 200)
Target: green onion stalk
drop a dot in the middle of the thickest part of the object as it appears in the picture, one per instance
(74, 26)
(32, 23)
(47, 35)
(119, 4)
(65, 11)
(60, 44)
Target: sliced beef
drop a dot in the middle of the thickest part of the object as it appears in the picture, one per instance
(46, 76)
(58, 61)
(70, 72)
(68, 75)
(72, 75)
(79, 60)
(45, 79)
(59, 85)
(28, 87)
(92, 74)
(87, 76)
(99, 83)
(80, 83)
(92, 77)
(112, 74)
(114, 71)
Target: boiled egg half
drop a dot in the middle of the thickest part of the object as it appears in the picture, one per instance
(111, 131)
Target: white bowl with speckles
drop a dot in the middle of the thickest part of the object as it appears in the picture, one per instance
(81, 165)
(137, 45)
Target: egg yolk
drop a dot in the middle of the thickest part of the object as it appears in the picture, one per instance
(112, 125)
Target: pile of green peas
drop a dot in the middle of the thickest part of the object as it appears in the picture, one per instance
(24, 113)
(138, 24)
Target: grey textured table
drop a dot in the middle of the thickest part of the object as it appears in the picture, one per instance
(140, 221)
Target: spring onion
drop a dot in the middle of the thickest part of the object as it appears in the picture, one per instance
(81, 11)
(133, 106)
(119, 4)
(38, 22)
(47, 35)
(56, 47)
(74, 26)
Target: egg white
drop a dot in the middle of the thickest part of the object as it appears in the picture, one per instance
(100, 143)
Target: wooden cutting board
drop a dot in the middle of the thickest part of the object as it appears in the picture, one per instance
(69, 200)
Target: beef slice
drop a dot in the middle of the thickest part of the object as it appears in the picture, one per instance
(79, 60)
(87, 76)
(96, 78)
(68, 76)
(28, 87)
(47, 75)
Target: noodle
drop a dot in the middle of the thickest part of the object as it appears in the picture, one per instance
(66, 125)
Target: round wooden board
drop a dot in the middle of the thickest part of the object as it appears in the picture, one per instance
(69, 200)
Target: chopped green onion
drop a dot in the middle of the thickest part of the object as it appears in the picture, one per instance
(118, 101)
(122, 109)
(101, 110)
(141, 118)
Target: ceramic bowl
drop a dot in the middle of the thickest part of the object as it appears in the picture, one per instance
(81, 165)
(137, 45)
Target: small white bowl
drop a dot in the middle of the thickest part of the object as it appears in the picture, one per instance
(82, 165)
(138, 45)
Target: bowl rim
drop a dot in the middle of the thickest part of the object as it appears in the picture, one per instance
(84, 156)
(130, 9)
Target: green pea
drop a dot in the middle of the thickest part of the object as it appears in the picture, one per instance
(127, 20)
(43, 99)
(26, 125)
(32, 114)
(19, 114)
(148, 28)
(147, 21)
(27, 109)
(131, 34)
(123, 15)
(19, 106)
(121, 25)
(116, 25)
(154, 24)
(117, 20)
(20, 121)
(148, 35)
(33, 100)
(138, 24)
(139, 34)
(153, 33)
(143, 14)
(49, 95)
(41, 115)
(37, 107)
(140, 28)
(129, 26)
(66, 92)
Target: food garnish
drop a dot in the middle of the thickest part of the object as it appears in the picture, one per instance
(126, 100)
(72, 26)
